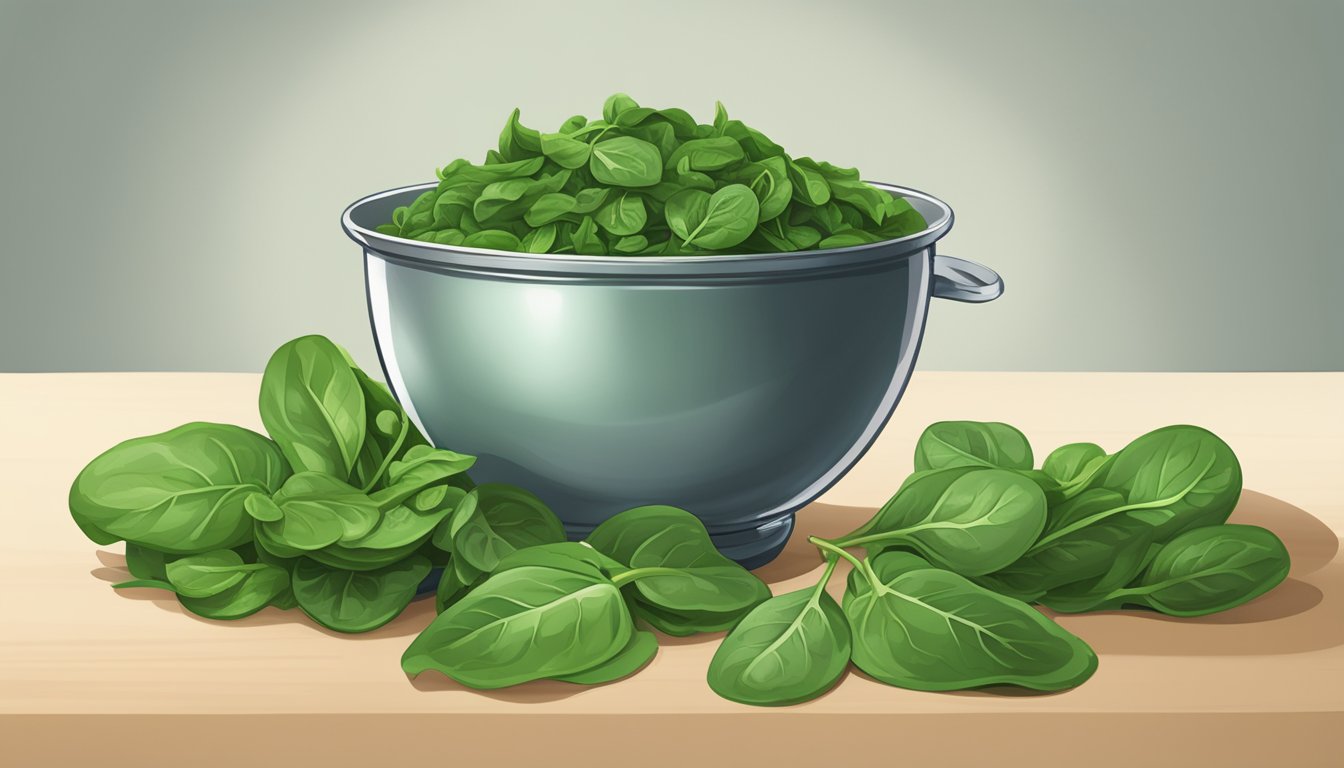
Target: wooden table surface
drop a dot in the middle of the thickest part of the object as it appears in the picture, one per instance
(92, 676)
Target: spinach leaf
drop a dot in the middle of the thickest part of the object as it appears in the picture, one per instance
(261, 585)
(566, 150)
(495, 520)
(493, 239)
(631, 244)
(720, 220)
(517, 142)
(809, 186)
(496, 196)
(208, 573)
(674, 565)
(979, 521)
(1111, 545)
(585, 239)
(972, 444)
(180, 491)
(932, 630)
(317, 510)
(539, 240)
(707, 154)
(563, 555)
(421, 468)
(623, 216)
(1177, 478)
(769, 181)
(549, 207)
(385, 441)
(524, 624)
(1069, 462)
(641, 649)
(147, 563)
(313, 406)
(625, 161)
(357, 601)
(790, 648)
(1206, 570)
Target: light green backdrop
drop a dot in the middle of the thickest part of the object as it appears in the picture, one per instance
(1158, 182)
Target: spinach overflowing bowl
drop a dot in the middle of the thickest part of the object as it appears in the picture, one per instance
(649, 182)
(738, 383)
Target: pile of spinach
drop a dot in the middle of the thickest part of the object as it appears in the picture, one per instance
(346, 509)
(941, 601)
(336, 513)
(642, 181)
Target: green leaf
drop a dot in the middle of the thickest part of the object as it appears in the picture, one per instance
(1207, 570)
(422, 467)
(539, 240)
(623, 216)
(208, 573)
(548, 208)
(769, 181)
(1178, 477)
(493, 239)
(1069, 462)
(517, 142)
(357, 601)
(503, 519)
(524, 624)
(147, 563)
(673, 563)
(932, 630)
(641, 649)
(313, 406)
(631, 244)
(562, 555)
(566, 150)
(756, 144)
(809, 186)
(972, 521)
(318, 510)
(972, 444)
(497, 195)
(848, 239)
(1110, 550)
(707, 154)
(716, 221)
(625, 161)
(585, 239)
(403, 525)
(180, 491)
(260, 586)
(789, 649)
(401, 435)
(615, 105)
(144, 584)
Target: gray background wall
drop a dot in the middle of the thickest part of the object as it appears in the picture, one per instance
(1159, 182)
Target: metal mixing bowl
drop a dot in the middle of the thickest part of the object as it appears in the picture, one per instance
(737, 387)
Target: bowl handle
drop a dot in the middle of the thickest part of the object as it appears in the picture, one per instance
(962, 280)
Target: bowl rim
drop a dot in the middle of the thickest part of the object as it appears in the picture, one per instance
(449, 257)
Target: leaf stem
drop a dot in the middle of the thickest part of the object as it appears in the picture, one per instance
(834, 549)
(387, 460)
(634, 574)
(825, 576)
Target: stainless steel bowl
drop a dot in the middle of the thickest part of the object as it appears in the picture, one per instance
(737, 387)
